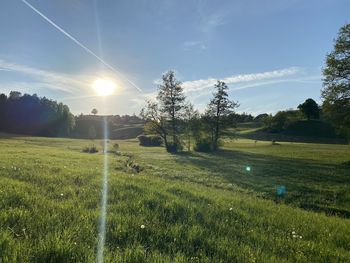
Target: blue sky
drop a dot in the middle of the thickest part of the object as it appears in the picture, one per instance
(270, 52)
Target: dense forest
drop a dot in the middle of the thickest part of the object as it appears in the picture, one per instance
(32, 115)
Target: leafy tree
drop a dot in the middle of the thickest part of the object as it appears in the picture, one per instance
(310, 109)
(94, 111)
(155, 121)
(172, 102)
(336, 92)
(219, 108)
(281, 120)
(261, 117)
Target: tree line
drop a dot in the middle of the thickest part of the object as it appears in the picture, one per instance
(32, 115)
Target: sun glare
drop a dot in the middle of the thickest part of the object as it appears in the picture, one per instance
(104, 87)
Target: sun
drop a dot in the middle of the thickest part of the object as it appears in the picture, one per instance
(104, 87)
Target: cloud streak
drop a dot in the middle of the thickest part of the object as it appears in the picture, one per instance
(202, 84)
(60, 29)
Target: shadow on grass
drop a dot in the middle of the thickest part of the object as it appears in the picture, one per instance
(309, 184)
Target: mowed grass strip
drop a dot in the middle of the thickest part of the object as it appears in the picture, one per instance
(179, 208)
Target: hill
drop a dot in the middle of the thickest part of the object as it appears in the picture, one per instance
(313, 131)
(179, 208)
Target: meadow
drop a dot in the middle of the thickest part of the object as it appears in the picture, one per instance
(188, 207)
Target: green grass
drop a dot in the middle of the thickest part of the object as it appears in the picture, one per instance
(195, 207)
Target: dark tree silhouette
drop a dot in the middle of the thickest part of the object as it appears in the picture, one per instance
(336, 92)
(29, 114)
(94, 111)
(310, 109)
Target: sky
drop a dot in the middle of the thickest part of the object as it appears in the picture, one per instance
(269, 52)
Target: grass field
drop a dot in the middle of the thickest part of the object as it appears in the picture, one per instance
(190, 207)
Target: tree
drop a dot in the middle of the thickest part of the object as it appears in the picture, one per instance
(219, 108)
(310, 109)
(155, 121)
(171, 101)
(336, 82)
(94, 111)
(191, 126)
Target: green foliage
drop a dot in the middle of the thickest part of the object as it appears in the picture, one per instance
(172, 103)
(310, 109)
(313, 128)
(116, 147)
(90, 149)
(150, 140)
(164, 116)
(156, 123)
(174, 147)
(336, 92)
(203, 145)
(280, 121)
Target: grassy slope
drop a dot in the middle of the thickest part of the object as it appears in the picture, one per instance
(195, 207)
(303, 132)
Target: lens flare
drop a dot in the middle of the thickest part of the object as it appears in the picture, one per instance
(102, 226)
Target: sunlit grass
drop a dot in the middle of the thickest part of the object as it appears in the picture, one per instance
(180, 208)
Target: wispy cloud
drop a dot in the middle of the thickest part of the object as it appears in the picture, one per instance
(202, 84)
(48, 79)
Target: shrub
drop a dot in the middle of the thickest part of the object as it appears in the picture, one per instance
(203, 145)
(90, 149)
(172, 148)
(116, 147)
(150, 140)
